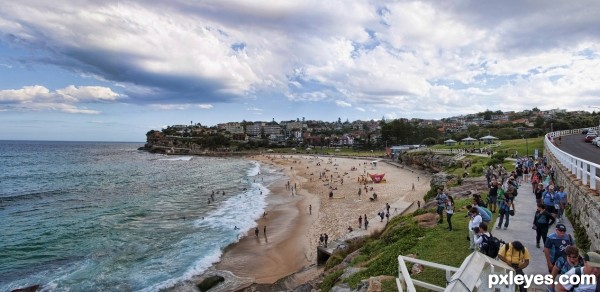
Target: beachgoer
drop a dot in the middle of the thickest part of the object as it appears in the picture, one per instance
(326, 239)
(256, 232)
(360, 221)
(310, 209)
(265, 230)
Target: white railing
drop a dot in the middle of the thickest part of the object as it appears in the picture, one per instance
(582, 169)
(405, 281)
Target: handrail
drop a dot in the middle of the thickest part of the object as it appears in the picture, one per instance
(404, 278)
(582, 169)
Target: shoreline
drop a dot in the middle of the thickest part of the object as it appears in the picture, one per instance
(290, 244)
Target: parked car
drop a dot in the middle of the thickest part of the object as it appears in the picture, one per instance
(589, 138)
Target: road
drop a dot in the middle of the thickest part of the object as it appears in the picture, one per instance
(574, 145)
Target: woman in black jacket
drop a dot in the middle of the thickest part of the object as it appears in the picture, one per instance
(542, 220)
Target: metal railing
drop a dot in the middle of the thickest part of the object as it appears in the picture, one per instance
(582, 169)
(404, 279)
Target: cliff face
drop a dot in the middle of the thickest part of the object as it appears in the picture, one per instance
(433, 163)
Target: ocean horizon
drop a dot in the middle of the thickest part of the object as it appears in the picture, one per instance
(97, 216)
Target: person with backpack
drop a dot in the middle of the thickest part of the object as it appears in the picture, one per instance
(542, 220)
(516, 255)
(488, 244)
(591, 267)
(555, 245)
(570, 260)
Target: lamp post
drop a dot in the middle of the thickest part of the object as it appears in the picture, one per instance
(526, 146)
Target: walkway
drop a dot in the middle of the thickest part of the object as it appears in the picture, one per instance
(520, 229)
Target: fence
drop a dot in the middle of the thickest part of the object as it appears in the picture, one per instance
(582, 169)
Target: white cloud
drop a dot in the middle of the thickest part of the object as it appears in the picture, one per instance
(342, 103)
(411, 56)
(40, 98)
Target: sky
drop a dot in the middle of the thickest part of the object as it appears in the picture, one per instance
(90, 70)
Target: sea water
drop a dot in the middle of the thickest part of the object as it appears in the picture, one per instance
(82, 216)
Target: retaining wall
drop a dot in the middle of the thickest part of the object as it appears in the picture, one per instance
(585, 202)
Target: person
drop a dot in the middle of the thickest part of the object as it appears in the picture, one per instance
(517, 256)
(493, 196)
(542, 220)
(504, 210)
(265, 230)
(590, 267)
(449, 211)
(555, 245)
(562, 202)
(481, 235)
(310, 209)
(350, 229)
(550, 200)
(473, 223)
(441, 202)
(321, 239)
(256, 232)
(539, 192)
(326, 237)
(570, 260)
(486, 214)
(360, 221)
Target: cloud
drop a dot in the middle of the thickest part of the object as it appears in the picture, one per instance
(411, 56)
(40, 98)
(342, 103)
(180, 106)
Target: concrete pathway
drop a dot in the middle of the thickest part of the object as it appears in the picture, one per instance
(519, 229)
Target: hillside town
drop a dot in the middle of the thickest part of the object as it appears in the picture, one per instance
(235, 136)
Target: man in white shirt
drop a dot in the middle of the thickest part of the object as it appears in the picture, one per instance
(473, 223)
(591, 267)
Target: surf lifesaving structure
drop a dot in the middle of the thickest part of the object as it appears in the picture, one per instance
(377, 178)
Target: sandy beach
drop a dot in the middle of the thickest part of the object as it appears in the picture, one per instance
(294, 220)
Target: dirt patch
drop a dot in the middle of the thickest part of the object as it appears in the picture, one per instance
(427, 220)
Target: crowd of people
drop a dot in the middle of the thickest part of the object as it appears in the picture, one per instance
(559, 249)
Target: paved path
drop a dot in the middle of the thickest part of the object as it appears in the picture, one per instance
(520, 229)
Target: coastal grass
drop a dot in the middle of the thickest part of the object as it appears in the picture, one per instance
(522, 147)
(403, 236)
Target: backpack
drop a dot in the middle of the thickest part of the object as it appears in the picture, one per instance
(490, 246)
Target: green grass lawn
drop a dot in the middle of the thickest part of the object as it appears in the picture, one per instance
(403, 236)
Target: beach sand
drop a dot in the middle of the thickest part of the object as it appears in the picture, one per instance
(292, 236)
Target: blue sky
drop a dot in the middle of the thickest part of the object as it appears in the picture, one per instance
(113, 70)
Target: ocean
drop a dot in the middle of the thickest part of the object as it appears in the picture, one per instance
(89, 216)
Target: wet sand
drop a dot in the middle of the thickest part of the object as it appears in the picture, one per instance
(292, 236)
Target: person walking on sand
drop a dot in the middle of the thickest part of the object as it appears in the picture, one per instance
(310, 209)
(256, 232)
(265, 230)
(326, 237)
(359, 221)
